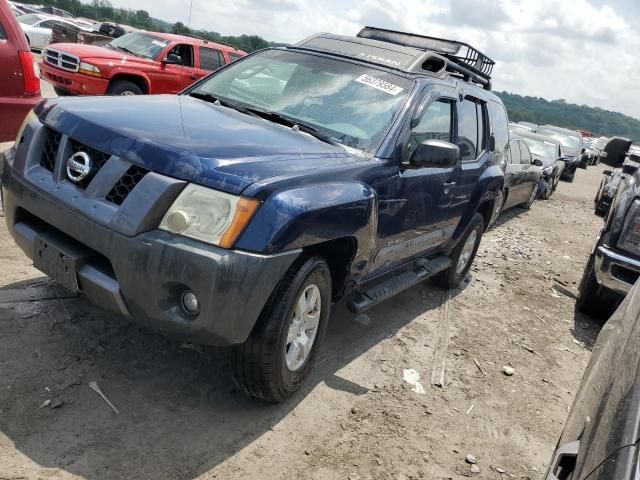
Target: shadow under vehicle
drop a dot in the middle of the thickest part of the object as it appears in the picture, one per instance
(600, 439)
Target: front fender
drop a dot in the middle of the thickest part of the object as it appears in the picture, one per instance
(117, 71)
(313, 214)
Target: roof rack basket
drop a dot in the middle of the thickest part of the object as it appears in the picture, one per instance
(466, 60)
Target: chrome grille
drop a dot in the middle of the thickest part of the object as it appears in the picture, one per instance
(64, 61)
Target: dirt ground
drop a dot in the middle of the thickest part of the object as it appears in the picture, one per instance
(356, 418)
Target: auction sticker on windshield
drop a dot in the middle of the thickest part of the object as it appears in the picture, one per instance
(378, 84)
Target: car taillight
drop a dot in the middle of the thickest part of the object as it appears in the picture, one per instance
(31, 80)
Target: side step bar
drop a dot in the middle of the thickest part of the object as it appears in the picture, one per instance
(398, 283)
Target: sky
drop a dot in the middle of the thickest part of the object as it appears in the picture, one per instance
(583, 51)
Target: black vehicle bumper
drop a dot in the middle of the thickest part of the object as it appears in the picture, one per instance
(616, 271)
(144, 276)
(569, 170)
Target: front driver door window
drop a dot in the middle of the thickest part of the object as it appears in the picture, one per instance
(435, 124)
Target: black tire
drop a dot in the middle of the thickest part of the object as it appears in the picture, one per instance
(123, 87)
(260, 362)
(60, 92)
(451, 278)
(570, 176)
(590, 300)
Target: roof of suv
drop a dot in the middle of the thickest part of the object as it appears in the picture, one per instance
(408, 53)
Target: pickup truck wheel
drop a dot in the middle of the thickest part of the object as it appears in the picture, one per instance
(279, 353)
(462, 256)
(124, 87)
(590, 301)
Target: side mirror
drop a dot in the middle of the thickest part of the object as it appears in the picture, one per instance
(172, 59)
(537, 162)
(607, 172)
(435, 154)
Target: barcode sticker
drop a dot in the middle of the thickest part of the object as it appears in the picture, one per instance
(378, 84)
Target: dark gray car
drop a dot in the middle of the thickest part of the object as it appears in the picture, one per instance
(571, 141)
(521, 176)
(548, 152)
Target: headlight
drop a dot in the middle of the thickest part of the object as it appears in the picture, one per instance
(209, 216)
(89, 69)
(630, 237)
(31, 116)
(603, 154)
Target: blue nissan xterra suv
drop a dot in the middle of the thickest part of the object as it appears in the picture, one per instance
(236, 212)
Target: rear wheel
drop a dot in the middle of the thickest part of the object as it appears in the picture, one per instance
(278, 355)
(123, 87)
(590, 299)
(462, 256)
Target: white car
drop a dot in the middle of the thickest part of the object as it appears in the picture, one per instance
(37, 28)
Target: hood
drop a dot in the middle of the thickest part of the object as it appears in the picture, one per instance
(190, 139)
(546, 161)
(94, 52)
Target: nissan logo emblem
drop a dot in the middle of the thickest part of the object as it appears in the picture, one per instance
(78, 166)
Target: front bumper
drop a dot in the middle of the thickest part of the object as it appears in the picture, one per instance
(615, 270)
(73, 82)
(143, 275)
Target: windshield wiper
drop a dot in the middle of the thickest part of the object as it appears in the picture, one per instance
(125, 49)
(294, 124)
(267, 115)
(208, 97)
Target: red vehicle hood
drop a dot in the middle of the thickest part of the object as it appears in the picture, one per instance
(98, 53)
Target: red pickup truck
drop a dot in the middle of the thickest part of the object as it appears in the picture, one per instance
(133, 64)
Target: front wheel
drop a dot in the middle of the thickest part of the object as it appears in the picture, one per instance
(276, 358)
(462, 256)
(124, 87)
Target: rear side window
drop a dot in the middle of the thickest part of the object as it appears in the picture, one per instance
(514, 156)
(210, 59)
(3, 35)
(525, 154)
(499, 126)
(471, 130)
(233, 56)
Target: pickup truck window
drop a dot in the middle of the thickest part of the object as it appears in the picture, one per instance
(185, 52)
(141, 44)
(233, 56)
(210, 59)
(435, 124)
(3, 35)
(469, 127)
(352, 104)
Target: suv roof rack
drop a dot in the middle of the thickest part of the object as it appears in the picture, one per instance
(463, 58)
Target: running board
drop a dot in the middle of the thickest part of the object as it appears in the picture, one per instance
(398, 283)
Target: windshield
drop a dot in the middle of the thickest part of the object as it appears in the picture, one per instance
(542, 148)
(29, 19)
(140, 44)
(351, 104)
(570, 142)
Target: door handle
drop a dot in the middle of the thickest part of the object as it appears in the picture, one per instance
(446, 187)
